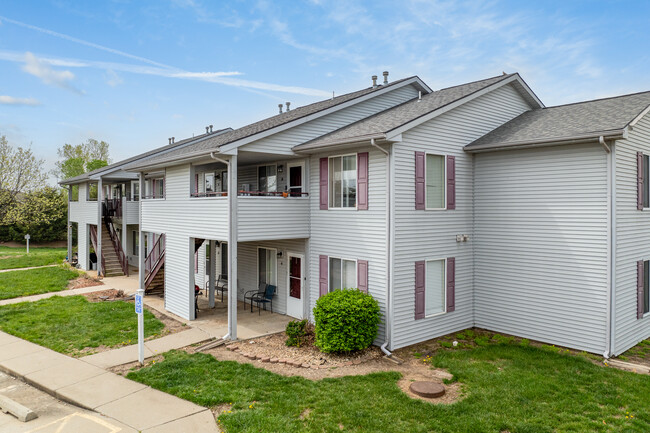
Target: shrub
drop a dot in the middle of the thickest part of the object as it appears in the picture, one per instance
(296, 331)
(346, 320)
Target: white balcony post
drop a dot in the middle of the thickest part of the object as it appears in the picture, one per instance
(211, 271)
(232, 248)
(69, 225)
(141, 269)
(99, 227)
(124, 234)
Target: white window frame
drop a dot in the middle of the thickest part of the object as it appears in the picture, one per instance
(135, 184)
(645, 198)
(329, 182)
(444, 279)
(303, 187)
(646, 288)
(329, 277)
(444, 181)
(257, 267)
(277, 177)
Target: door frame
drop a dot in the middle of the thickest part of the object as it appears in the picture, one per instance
(300, 164)
(301, 256)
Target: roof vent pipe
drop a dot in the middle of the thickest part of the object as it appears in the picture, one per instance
(288, 103)
(420, 95)
(170, 140)
(207, 130)
(210, 129)
(173, 140)
(374, 81)
(280, 108)
(385, 77)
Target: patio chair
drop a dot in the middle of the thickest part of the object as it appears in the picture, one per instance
(267, 298)
(222, 285)
(197, 291)
(251, 293)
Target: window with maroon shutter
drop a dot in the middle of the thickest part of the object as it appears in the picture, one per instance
(640, 181)
(323, 190)
(362, 275)
(420, 275)
(642, 288)
(451, 182)
(419, 180)
(451, 284)
(362, 181)
(323, 269)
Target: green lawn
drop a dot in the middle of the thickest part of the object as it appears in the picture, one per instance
(13, 258)
(69, 324)
(509, 388)
(14, 284)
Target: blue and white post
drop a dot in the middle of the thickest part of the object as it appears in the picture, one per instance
(139, 311)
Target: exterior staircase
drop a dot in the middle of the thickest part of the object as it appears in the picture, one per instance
(112, 265)
(154, 265)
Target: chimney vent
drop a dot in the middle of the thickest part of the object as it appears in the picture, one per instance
(374, 81)
(280, 108)
(210, 129)
(288, 103)
(385, 77)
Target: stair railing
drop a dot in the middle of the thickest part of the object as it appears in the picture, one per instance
(93, 239)
(154, 260)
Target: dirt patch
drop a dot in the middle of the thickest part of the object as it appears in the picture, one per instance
(105, 295)
(639, 354)
(84, 281)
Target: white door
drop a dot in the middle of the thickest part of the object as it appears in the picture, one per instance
(295, 292)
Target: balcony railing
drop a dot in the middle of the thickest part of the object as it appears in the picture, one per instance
(243, 193)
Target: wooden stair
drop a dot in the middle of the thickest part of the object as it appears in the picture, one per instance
(113, 268)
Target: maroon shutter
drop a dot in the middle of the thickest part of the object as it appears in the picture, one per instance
(420, 160)
(196, 184)
(323, 183)
(451, 182)
(362, 181)
(639, 180)
(164, 184)
(323, 264)
(639, 289)
(362, 275)
(451, 284)
(419, 289)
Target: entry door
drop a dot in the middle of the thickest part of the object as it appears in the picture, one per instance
(296, 293)
(296, 180)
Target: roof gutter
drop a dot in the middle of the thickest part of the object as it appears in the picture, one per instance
(527, 144)
(341, 142)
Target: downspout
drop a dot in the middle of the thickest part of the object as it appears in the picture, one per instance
(611, 295)
(388, 257)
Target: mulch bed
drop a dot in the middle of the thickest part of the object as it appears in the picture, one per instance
(84, 281)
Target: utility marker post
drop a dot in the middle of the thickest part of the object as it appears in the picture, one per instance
(139, 311)
(27, 238)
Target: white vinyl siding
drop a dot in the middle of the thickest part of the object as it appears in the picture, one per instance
(632, 238)
(541, 244)
(435, 288)
(435, 182)
(419, 235)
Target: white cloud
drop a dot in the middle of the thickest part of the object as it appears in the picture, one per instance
(11, 100)
(112, 79)
(42, 70)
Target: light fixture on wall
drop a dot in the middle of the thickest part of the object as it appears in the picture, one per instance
(280, 168)
(280, 254)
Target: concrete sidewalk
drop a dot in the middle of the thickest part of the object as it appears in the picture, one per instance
(27, 269)
(83, 384)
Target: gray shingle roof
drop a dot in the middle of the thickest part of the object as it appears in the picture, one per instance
(392, 118)
(212, 144)
(565, 122)
(124, 162)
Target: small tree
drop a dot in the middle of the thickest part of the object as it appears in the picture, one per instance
(42, 213)
(346, 320)
(81, 158)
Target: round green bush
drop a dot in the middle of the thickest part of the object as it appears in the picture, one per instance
(346, 320)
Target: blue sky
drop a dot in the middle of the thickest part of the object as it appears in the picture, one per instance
(134, 73)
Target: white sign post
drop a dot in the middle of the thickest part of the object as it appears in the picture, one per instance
(139, 311)
(27, 238)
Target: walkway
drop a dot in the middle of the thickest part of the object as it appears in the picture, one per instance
(124, 402)
(27, 269)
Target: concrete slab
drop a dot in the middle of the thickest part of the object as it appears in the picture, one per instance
(7, 338)
(99, 390)
(177, 340)
(202, 422)
(115, 357)
(66, 373)
(26, 364)
(149, 408)
(18, 348)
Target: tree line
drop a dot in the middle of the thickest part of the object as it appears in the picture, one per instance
(28, 205)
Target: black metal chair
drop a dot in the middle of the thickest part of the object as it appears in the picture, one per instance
(251, 293)
(266, 298)
(222, 285)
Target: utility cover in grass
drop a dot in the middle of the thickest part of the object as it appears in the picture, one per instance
(70, 324)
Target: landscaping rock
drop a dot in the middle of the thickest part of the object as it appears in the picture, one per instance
(305, 365)
(274, 360)
(266, 359)
(427, 389)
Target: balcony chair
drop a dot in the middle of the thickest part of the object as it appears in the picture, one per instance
(266, 298)
(251, 293)
(222, 284)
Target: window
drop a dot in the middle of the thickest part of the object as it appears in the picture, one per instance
(136, 243)
(646, 287)
(267, 178)
(343, 181)
(434, 294)
(224, 181)
(135, 190)
(209, 183)
(156, 188)
(646, 181)
(343, 274)
(295, 180)
(267, 266)
(435, 181)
